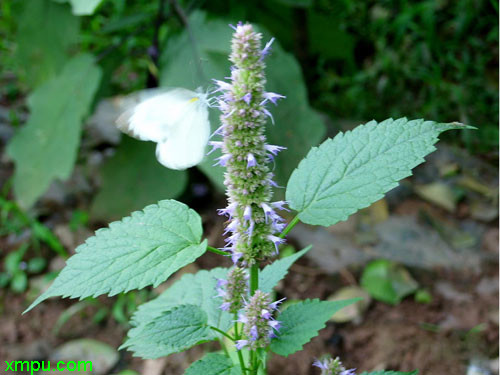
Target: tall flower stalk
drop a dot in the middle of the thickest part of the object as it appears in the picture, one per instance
(253, 220)
(254, 228)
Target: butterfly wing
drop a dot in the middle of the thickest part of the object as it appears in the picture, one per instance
(185, 146)
(153, 113)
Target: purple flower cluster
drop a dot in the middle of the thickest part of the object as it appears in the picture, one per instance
(330, 366)
(234, 290)
(259, 324)
(253, 219)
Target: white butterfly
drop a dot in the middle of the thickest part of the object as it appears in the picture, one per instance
(176, 119)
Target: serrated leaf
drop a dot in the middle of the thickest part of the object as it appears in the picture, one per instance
(140, 250)
(46, 33)
(133, 178)
(196, 289)
(213, 364)
(302, 321)
(356, 168)
(298, 126)
(276, 271)
(173, 331)
(390, 373)
(46, 147)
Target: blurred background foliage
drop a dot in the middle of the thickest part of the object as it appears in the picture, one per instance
(339, 62)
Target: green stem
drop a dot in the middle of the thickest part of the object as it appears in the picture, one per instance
(222, 333)
(289, 227)
(254, 278)
(240, 355)
(217, 251)
(254, 285)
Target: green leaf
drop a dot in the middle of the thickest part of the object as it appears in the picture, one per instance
(390, 373)
(213, 364)
(298, 126)
(195, 289)
(19, 282)
(276, 271)
(175, 330)
(46, 147)
(133, 178)
(387, 281)
(140, 250)
(46, 33)
(302, 321)
(356, 168)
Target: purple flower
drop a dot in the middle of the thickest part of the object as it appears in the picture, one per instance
(247, 214)
(272, 97)
(266, 314)
(247, 98)
(242, 318)
(215, 145)
(231, 227)
(223, 160)
(330, 366)
(251, 161)
(236, 256)
(225, 306)
(268, 114)
(322, 365)
(267, 48)
(280, 205)
(275, 304)
(240, 344)
(268, 211)
(274, 149)
(276, 241)
(254, 334)
(223, 86)
(230, 210)
(274, 324)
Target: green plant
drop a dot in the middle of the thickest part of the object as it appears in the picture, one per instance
(234, 306)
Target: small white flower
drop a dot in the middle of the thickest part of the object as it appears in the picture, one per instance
(176, 119)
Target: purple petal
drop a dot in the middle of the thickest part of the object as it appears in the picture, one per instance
(247, 214)
(274, 149)
(230, 210)
(267, 49)
(268, 114)
(241, 344)
(280, 205)
(223, 86)
(274, 305)
(247, 98)
(268, 211)
(215, 145)
(251, 161)
(274, 324)
(223, 160)
(235, 257)
(322, 365)
(225, 306)
(254, 334)
(272, 97)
